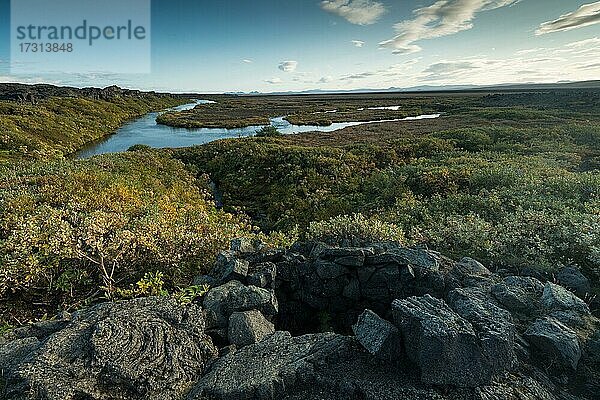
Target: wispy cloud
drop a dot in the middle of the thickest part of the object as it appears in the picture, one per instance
(247, 61)
(358, 43)
(359, 12)
(587, 14)
(288, 66)
(444, 17)
(274, 81)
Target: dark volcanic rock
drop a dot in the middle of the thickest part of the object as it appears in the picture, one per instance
(493, 325)
(149, 348)
(519, 294)
(263, 275)
(557, 298)
(557, 344)
(248, 327)
(378, 336)
(270, 368)
(440, 342)
(572, 278)
(222, 301)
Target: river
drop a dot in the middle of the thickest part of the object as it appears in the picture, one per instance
(146, 131)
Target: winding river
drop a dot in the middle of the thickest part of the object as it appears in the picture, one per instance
(146, 131)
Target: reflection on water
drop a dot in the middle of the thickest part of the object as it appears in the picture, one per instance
(146, 131)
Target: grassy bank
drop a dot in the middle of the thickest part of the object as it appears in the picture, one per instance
(58, 126)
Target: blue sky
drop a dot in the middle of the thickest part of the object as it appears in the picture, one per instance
(268, 45)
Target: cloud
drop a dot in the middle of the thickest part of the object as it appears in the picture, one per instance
(587, 14)
(325, 79)
(247, 61)
(359, 12)
(274, 81)
(442, 18)
(449, 67)
(288, 66)
(358, 43)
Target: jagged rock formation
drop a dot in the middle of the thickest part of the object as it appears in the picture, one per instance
(409, 323)
(140, 349)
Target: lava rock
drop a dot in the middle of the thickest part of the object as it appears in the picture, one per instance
(378, 336)
(557, 344)
(519, 294)
(235, 269)
(222, 301)
(572, 278)
(557, 298)
(493, 325)
(248, 327)
(277, 365)
(471, 273)
(263, 275)
(440, 342)
(150, 348)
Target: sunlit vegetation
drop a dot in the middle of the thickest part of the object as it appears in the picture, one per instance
(58, 126)
(76, 231)
(514, 183)
(510, 179)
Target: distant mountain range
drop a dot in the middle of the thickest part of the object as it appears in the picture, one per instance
(449, 88)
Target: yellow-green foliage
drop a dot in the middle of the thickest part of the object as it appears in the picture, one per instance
(60, 126)
(77, 227)
(354, 230)
(487, 183)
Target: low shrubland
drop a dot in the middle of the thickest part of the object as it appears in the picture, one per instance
(75, 231)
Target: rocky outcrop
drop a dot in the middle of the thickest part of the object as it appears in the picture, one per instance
(140, 349)
(556, 343)
(248, 327)
(378, 336)
(408, 323)
(446, 346)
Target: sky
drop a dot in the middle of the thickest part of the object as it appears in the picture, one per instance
(274, 45)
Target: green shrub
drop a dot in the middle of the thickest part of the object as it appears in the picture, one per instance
(354, 230)
(268, 131)
(70, 229)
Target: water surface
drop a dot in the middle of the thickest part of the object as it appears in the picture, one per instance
(146, 131)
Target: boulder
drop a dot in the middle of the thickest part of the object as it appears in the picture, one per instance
(442, 343)
(248, 327)
(572, 278)
(557, 298)
(235, 269)
(556, 344)
(471, 273)
(519, 294)
(378, 336)
(222, 301)
(493, 325)
(150, 348)
(263, 275)
(277, 365)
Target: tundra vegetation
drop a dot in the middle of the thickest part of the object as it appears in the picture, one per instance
(509, 178)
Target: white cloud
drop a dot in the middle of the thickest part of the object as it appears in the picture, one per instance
(325, 79)
(585, 43)
(288, 66)
(274, 81)
(247, 61)
(359, 12)
(357, 43)
(444, 17)
(587, 14)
